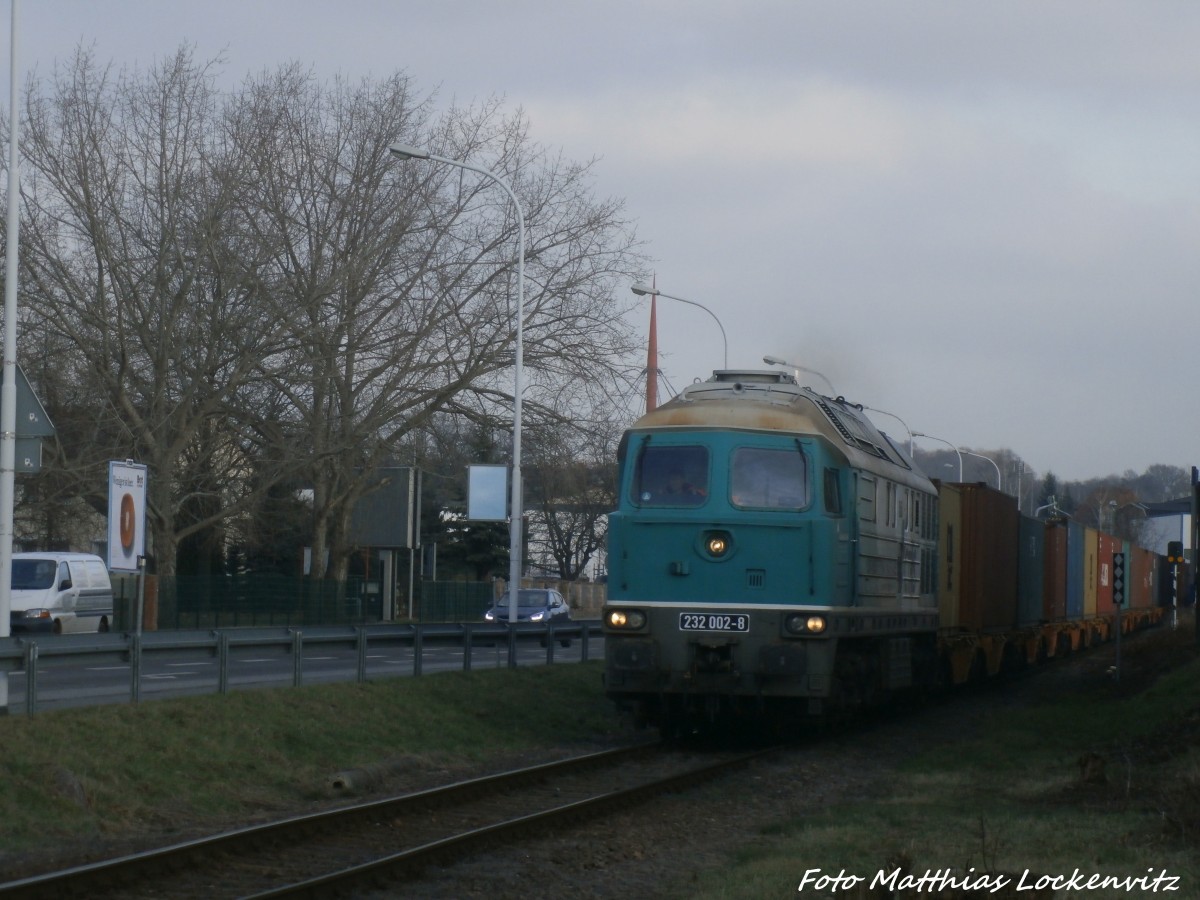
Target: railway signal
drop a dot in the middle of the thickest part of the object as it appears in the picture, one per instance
(1118, 578)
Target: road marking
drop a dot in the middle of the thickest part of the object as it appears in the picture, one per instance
(181, 665)
(108, 668)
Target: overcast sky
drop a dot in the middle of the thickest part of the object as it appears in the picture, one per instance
(983, 217)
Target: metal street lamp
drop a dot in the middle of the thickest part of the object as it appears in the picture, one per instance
(643, 291)
(989, 459)
(517, 512)
(898, 419)
(776, 361)
(948, 444)
(8, 393)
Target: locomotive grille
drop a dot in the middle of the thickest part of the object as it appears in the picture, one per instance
(756, 578)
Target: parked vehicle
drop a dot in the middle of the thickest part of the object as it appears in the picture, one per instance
(60, 592)
(541, 605)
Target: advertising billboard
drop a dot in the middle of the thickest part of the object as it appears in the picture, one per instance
(126, 515)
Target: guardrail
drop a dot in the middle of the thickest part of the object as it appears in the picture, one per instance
(25, 651)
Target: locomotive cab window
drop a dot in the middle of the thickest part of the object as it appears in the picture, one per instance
(768, 479)
(671, 476)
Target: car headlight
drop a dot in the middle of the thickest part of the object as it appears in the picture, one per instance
(538, 616)
(37, 614)
(490, 615)
(627, 619)
(805, 623)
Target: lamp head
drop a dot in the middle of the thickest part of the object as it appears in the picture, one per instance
(642, 291)
(775, 361)
(403, 151)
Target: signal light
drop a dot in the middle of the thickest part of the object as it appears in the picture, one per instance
(1175, 552)
(1118, 578)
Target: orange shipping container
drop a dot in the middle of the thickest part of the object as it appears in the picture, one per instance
(1142, 591)
(980, 540)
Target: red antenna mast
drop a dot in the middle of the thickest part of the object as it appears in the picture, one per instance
(652, 354)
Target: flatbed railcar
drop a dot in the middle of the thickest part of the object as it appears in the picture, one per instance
(773, 554)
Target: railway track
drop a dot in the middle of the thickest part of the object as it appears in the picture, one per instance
(386, 842)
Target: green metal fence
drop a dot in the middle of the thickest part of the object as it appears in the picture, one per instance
(453, 601)
(233, 600)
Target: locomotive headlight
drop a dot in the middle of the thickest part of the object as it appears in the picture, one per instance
(717, 544)
(805, 623)
(628, 619)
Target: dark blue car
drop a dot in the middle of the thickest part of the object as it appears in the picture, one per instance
(538, 605)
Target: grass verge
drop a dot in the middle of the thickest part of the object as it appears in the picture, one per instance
(1092, 780)
(85, 774)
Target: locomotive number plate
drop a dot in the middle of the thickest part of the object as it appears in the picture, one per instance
(693, 621)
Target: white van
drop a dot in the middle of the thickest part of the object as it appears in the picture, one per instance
(60, 592)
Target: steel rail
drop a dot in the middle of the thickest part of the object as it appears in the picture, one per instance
(412, 861)
(90, 878)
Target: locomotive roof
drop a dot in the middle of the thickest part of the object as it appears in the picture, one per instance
(775, 401)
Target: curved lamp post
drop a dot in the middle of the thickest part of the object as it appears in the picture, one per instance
(516, 513)
(918, 434)
(776, 361)
(643, 291)
(989, 459)
(898, 419)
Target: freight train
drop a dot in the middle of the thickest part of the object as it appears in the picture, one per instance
(774, 555)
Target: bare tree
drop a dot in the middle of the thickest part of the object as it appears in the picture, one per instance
(395, 283)
(570, 499)
(132, 261)
(245, 290)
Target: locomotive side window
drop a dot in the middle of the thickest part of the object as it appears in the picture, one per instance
(768, 479)
(833, 492)
(671, 476)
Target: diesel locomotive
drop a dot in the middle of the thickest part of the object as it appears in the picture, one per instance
(773, 554)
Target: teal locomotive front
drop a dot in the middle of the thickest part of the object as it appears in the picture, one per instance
(757, 562)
